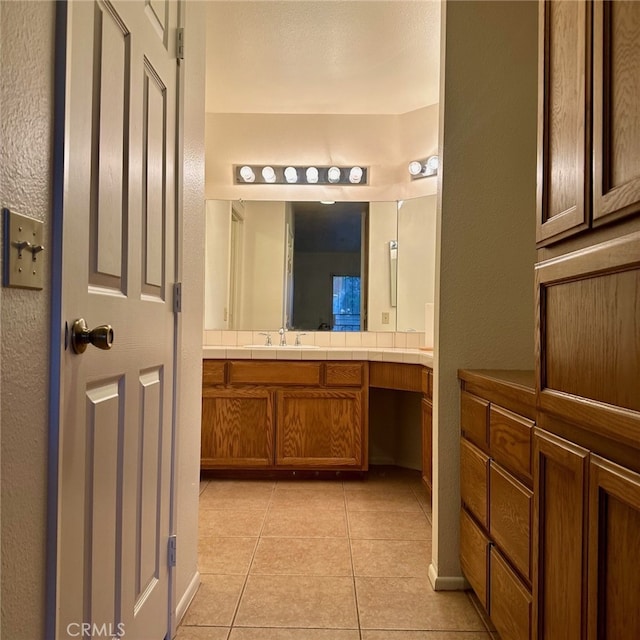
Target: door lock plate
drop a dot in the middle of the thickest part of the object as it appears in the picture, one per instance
(23, 251)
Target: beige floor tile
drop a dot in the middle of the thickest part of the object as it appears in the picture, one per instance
(202, 633)
(304, 523)
(389, 525)
(248, 633)
(365, 501)
(411, 603)
(302, 556)
(216, 601)
(236, 495)
(230, 523)
(298, 601)
(425, 635)
(222, 484)
(324, 486)
(225, 555)
(295, 498)
(203, 485)
(391, 558)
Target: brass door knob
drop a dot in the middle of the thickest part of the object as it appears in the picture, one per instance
(81, 336)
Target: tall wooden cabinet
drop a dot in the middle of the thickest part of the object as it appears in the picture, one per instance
(587, 443)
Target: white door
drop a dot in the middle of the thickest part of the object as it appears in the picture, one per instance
(118, 267)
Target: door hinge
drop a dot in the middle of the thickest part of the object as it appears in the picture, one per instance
(180, 43)
(171, 551)
(177, 297)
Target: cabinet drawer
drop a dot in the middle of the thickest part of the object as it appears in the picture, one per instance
(474, 418)
(474, 556)
(510, 440)
(510, 601)
(510, 505)
(343, 375)
(213, 372)
(474, 475)
(285, 372)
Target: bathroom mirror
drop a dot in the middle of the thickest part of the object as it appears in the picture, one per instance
(349, 266)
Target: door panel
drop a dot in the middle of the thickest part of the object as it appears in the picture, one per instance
(118, 257)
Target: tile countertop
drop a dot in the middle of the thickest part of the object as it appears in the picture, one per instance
(408, 356)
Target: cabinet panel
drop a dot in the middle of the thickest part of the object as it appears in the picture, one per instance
(427, 443)
(616, 93)
(474, 556)
(559, 472)
(319, 428)
(391, 375)
(237, 428)
(474, 418)
(510, 440)
(213, 372)
(510, 601)
(474, 477)
(343, 375)
(614, 551)
(274, 372)
(564, 45)
(510, 507)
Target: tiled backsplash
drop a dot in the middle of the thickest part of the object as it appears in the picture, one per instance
(388, 339)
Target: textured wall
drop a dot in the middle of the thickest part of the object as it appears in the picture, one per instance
(26, 107)
(486, 226)
(192, 274)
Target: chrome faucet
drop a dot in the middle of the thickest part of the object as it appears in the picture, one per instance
(298, 341)
(283, 337)
(268, 342)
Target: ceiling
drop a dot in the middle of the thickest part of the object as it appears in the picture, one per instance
(322, 56)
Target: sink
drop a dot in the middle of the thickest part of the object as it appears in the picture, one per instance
(276, 346)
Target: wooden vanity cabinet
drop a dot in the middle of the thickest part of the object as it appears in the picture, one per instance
(497, 411)
(284, 415)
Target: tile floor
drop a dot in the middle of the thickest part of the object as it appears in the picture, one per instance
(321, 560)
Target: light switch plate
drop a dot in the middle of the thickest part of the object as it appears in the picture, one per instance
(23, 262)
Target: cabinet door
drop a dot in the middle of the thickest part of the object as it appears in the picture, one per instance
(319, 428)
(559, 472)
(614, 551)
(427, 443)
(237, 428)
(564, 45)
(616, 110)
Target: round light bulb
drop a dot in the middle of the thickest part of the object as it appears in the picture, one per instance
(268, 174)
(312, 175)
(291, 175)
(246, 173)
(415, 168)
(355, 175)
(433, 164)
(333, 175)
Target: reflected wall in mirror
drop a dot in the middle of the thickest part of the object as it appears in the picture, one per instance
(310, 266)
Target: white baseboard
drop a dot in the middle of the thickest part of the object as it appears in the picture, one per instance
(446, 583)
(188, 596)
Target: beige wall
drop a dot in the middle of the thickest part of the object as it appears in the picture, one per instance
(385, 143)
(26, 118)
(484, 288)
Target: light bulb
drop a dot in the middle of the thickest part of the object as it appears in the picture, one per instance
(333, 175)
(246, 173)
(355, 175)
(433, 164)
(268, 174)
(312, 175)
(291, 175)
(415, 168)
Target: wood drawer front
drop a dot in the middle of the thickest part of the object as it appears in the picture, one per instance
(510, 504)
(285, 372)
(474, 418)
(213, 372)
(510, 604)
(474, 476)
(343, 375)
(393, 375)
(474, 556)
(510, 440)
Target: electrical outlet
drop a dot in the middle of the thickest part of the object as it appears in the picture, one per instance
(385, 317)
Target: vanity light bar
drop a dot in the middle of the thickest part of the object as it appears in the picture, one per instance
(424, 168)
(289, 174)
